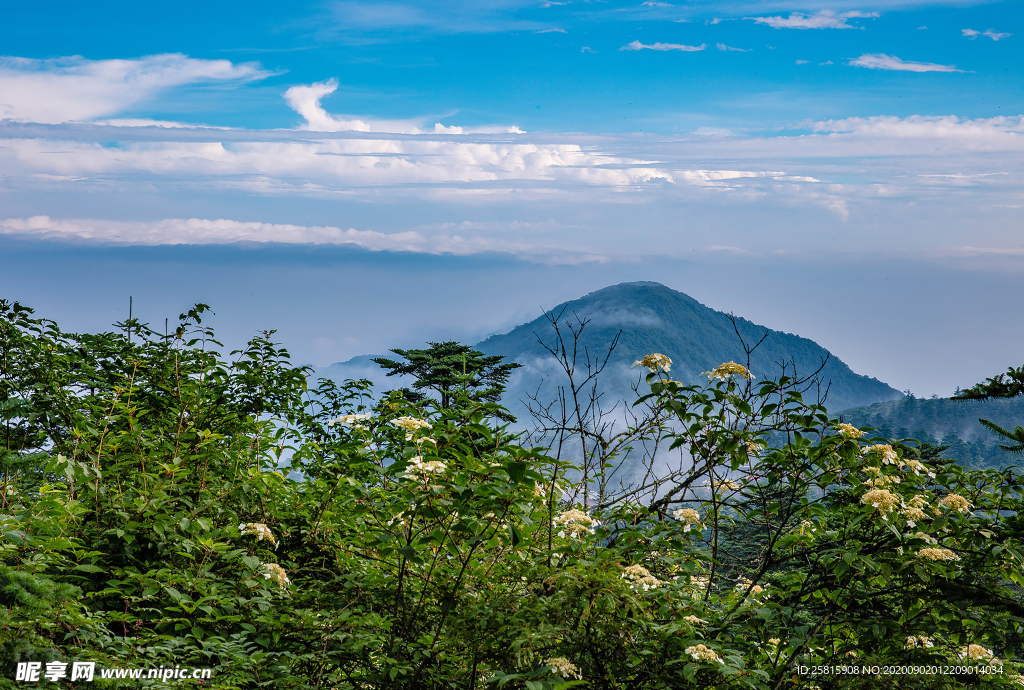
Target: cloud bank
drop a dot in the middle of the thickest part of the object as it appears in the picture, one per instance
(723, 47)
(637, 45)
(891, 62)
(199, 231)
(994, 35)
(598, 196)
(825, 19)
(75, 89)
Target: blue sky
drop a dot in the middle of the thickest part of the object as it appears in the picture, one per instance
(848, 171)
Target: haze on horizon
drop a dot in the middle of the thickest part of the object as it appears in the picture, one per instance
(362, 175)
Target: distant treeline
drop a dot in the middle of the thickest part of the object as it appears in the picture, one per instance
(942, 421)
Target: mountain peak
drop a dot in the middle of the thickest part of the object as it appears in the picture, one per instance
(654, 318)
(651, 317)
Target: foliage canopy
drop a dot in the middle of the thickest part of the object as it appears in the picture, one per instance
(450, 367)
(162, 504)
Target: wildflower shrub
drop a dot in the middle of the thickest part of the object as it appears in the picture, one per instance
(177, 507)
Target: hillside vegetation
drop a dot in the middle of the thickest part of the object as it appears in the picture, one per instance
(953, 423)
(164, 504)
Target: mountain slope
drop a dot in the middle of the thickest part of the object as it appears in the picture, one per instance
(949, 422)
(654, 318)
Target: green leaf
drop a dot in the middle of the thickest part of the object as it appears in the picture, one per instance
(87, 568)
(516, 470)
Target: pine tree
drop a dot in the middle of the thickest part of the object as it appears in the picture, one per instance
(1008, 385)
(448, 367)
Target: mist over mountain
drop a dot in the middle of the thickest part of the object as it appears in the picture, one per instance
(652, 318)
(952, 423)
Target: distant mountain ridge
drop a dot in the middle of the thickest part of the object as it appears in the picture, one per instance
(952, 423)
(654, 318)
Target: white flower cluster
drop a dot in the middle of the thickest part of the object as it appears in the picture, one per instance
(700, 652)
(563, 667)
(914, 510)
(913, 513)
(879, 478)
(755, 590)
(689, 517)
(425, 469)
(881, 499)
(694, 620)
(936, 554)
(349, 419)
(640, 576)
(540, 490)
(974, 652)
(885, 452)
(849, 430)
(259, 529)
(725, 484)
(655, 362)
(410, 425)
(955, 502)
(917, 467)
(919, 641)
(575, 523)
(727, 370)
(274, 572)
(699, 583)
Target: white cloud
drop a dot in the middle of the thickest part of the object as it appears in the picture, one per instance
(716, 178)
(75, 89)
(637, 45)
(283, 166)
(305, 100)
(722, 46)
(994, 35)
(802, 62)
(146, 122)
(844, 169)
(200, 231)
(825, 19)
(551, 31)
(728, 249)
(998, 133)
(713, 132)
(891, 62)
(978, 251)
(446, 16)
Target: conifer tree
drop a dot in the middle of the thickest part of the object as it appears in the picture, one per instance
(447, 367)
(1008, 385)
